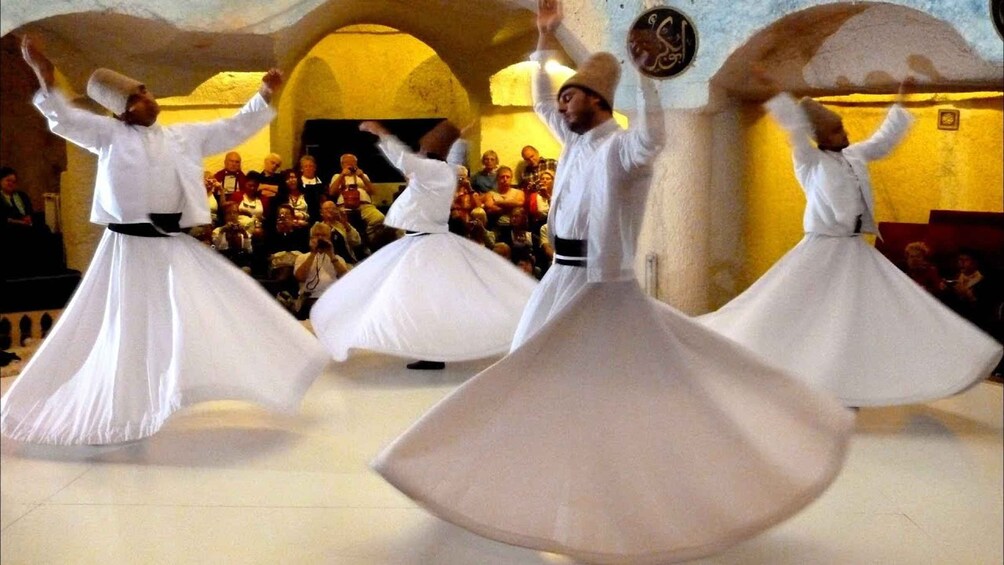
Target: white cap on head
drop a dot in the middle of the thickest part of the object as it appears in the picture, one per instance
(112, 90)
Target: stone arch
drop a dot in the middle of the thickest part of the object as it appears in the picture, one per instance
(848, 47)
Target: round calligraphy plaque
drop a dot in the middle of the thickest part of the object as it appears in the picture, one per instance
(662, 42)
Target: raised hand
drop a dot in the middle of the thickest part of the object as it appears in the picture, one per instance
(270, 83)
(549, 15)
(374, 127)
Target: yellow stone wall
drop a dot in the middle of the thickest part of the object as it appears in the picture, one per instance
(932, 169)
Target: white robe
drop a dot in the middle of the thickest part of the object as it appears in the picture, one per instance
(833, 310)
(618, 430)
(156, 323)
(437, 297)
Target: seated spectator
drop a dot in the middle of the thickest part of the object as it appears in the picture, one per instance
(346, 239)
(478, 233)
(270, 178)
(538, 199)
(522, 242)
(293, 195)
(920, 269)
(484, 180)
(311, 185)
(317, 269)
(251, 206)
(500, 203)
(231, 177)
(283, 242)
(972, 294)
(465, 200)
(351, 189)
(29, 248)
(232, 239)
(213, 189)
(532, 165)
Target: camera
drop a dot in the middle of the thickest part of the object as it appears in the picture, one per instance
(353, 169)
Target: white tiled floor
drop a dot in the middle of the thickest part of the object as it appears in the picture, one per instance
(229, 483)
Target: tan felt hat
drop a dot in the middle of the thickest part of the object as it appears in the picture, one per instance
(821, 117)
(599, 73)
(112, 90)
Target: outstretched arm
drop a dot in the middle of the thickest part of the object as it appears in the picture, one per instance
(549, 16)
(81, 127)
(648, 134)
(890, 133)
(220, 135)
(399, 154)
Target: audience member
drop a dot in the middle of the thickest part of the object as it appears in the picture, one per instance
(317, 269)
(213, 189)
(231, 177)
(538, 199)
(484, 180)
(251, 206)
(271, 178)
(232, 239)
(311, 185)
(351, 189)
(28, 248)
(503, 250)
(532, 165)
(283, 242)
(345, 238)
(920, 269)
(293, 196)
(465, 200)
(500, 203)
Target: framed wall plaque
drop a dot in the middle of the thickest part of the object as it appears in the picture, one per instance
(662, 42)
(948, 119)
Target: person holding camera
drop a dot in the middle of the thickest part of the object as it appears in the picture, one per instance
(351, 189)
(317, 269)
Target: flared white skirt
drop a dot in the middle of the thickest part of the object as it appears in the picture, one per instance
(622, 432)
(157, 324)
(836, 313)
(437, 297)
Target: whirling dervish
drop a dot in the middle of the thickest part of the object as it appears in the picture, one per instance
(615, 431)
(431, 295)
(833, 310)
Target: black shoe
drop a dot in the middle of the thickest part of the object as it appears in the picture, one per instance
(427, 365)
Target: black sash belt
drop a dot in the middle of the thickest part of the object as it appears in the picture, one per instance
(571, 252)
(415, 233)
(160, 225)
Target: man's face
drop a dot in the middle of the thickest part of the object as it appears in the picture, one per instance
(531, 156)
(349, 161)
(578, 109)
(832, 136)
(308, 168)
(272, 164)
(232, 162)
(504, 178)
(142, 108)
(8, 184)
